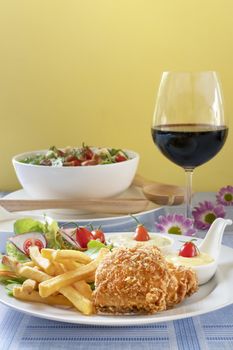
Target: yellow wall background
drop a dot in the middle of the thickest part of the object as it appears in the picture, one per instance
(89, 70)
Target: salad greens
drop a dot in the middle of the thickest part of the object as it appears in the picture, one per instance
(28, 225)
(2, 266)
(54, 238)
(93, 248)
(14, 252)
(9, 282)
(82, 156)
(50, 231)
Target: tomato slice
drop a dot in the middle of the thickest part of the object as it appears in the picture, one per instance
(32, 242)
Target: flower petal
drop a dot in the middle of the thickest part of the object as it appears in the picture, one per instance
(225, 196)
(175, 223)
(205, 213)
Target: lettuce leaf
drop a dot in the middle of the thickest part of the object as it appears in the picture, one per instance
(10, 286)
(92, 285)
(21, 226)
(28, 225)
(93, 248)
(2, 266)
(54, 240)
(6, 279)
(11, 283)
(11, 250)
(50, 231)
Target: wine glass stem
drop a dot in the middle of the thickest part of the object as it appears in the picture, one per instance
(189, 175)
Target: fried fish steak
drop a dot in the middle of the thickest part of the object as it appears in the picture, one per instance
(132, 280)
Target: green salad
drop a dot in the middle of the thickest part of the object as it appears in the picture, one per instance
(83, 156)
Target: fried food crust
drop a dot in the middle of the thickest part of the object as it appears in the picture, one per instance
(186, 284)
(139, 280)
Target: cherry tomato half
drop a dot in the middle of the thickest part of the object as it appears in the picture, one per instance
(70, 158)
(88, 153)
(83, 236)
(32, 242)
(120, 158)
(72, 161)
(98, 234)
(188, 250)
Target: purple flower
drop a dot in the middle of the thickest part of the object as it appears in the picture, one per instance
(206, 213)
(225, 196)
(175, 224)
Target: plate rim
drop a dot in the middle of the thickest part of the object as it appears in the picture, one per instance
(108, 218)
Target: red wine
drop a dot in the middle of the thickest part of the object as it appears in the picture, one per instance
(189, 145)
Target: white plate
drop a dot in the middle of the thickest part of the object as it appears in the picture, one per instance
(211, 296)
(109, 223)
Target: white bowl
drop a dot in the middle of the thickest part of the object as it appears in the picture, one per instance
(205, 272)
(96, 181)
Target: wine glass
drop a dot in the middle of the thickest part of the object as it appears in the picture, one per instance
(189, 126)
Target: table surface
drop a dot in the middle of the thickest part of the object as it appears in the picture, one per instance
(210, 331)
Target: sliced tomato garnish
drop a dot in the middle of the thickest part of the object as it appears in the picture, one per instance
(32, 242)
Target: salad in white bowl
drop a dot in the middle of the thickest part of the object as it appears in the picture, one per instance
(84, 172)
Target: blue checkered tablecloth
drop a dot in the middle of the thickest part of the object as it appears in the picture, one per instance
(210, 331)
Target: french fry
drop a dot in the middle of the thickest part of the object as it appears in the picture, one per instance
(34, 296)
(78, 300)
(71, 254)
(40, 261)
(5, 273)
(83, 288)
(29, 263)
(49, 287)
(25, 271)
(69, 264)
(47, 253)
(29, 285)
(69, 287)
(91, 278)
(59, 268)
(37, 268)
(32, 273)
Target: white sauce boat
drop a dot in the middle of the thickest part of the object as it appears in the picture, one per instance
(212, 246)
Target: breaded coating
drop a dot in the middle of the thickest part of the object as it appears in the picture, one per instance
(132, 280)
(187, 284)
(139, 280)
